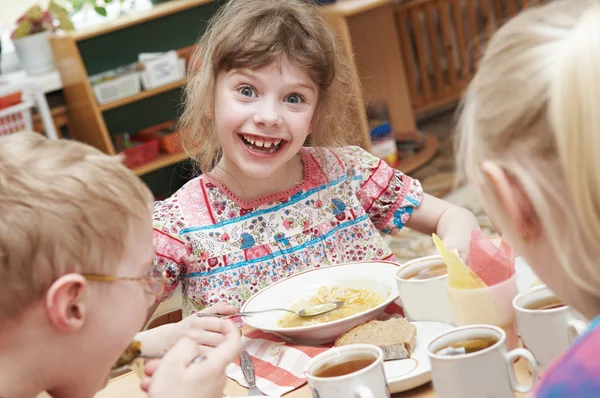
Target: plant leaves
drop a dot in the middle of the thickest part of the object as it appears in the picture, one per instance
(62, 15)
(100, 10)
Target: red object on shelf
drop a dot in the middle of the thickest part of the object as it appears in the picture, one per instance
(10, 100)
(170, 141)
(144, 152)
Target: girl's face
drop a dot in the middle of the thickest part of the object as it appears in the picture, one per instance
(263, 116)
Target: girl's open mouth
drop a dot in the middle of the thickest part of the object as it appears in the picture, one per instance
(261, 144)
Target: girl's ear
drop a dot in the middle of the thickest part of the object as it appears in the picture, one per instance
(211, 112)
(512, 198)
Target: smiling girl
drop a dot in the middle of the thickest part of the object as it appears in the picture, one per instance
(268, 119)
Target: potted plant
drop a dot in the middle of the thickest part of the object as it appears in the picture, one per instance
(31, 36)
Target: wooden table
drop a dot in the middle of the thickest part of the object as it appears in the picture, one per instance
(127, 386)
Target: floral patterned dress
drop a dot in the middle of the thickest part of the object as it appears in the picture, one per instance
(218, 247)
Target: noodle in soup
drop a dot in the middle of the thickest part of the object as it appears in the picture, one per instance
(355, 302)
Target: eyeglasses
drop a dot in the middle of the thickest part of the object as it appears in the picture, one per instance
(154, 281)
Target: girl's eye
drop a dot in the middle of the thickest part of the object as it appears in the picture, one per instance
(294, 99)
(246, 91)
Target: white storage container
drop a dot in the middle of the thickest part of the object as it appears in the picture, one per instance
(161, 69)
(16, 118)
(118, 87)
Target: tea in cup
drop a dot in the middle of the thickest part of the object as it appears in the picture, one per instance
(547, 326)
(422, 290)
(349, 371)
(473, 362)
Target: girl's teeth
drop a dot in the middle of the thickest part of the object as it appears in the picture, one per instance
(266, 144)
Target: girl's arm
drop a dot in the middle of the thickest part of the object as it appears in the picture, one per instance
(451, 223)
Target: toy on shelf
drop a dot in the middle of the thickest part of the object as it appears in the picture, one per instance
(383, 144)
(137, 150)
(167, 135)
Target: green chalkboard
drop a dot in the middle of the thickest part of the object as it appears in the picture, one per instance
(145, 113)
(170, 32)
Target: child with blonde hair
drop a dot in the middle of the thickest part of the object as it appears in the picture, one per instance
(76, 260)
(269, 118)
(529, 132)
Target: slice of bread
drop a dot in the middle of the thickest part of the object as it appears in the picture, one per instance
(396, 337)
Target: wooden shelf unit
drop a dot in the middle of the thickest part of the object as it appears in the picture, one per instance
(366, 29)
(84, 53)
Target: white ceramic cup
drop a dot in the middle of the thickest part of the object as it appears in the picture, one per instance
(485, 373)
(368, 382)
(424, 299)
(546, 333)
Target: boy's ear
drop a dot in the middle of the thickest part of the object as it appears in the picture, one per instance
(65, 304)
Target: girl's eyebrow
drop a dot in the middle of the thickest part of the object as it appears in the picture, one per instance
(303, 85)
(246, 73)
(249, 74)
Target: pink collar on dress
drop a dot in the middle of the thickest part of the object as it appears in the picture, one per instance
(310, 172)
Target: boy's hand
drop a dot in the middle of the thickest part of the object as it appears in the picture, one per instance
(176, 375)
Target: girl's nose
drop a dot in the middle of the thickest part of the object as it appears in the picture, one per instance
(267, 114)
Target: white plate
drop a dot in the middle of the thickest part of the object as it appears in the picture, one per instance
(406, 374)
(377, 276)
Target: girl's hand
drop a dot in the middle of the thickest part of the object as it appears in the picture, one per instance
(204, 331)
(177, 375)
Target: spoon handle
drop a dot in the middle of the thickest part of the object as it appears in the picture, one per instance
(245, 313)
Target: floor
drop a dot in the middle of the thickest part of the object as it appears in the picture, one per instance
(437, 177)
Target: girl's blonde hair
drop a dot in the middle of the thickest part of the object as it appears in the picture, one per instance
(252, 34)
(532, 109)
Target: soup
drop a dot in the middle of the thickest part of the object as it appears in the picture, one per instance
(355, 302)
(344, 368)
(468, 346)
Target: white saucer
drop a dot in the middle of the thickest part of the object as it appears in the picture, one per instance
(406, 374)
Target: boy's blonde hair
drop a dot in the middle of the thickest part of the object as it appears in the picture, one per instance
(252, 34)
(64, 207)
(532, 107)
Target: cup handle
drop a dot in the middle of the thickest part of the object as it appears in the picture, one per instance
(510, 358)
(364, 392)
(576, 329)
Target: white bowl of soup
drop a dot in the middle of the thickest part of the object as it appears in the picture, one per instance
(366, 288)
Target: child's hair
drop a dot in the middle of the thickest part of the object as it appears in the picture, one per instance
(252, 34)
(532, 109)
(64, 207)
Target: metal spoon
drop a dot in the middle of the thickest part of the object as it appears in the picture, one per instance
(304, 312)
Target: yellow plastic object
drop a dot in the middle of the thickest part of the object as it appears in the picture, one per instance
(459, 275)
